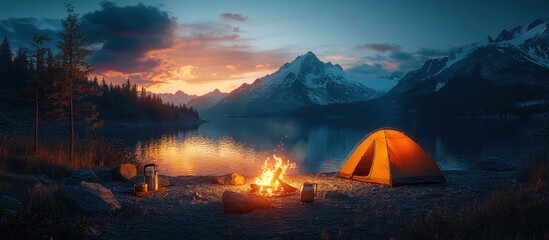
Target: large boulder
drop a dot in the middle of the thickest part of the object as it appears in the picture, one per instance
(229, 179)
(7, 202)
(80, 175)
(124, 172)
(240, 203)
(105, 174)
(38, 179)
(88, 198)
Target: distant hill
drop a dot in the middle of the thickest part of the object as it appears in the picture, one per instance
(207, 100)
(177, 98)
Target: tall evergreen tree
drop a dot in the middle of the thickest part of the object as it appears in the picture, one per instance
(6, 57)
(73, 52)
(20, 74)
(38, 53)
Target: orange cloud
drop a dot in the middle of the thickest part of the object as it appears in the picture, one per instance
(198, 58)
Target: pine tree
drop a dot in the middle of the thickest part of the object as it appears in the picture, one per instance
(38, 52)
(73, 52)
(6, 57)
(19, 75)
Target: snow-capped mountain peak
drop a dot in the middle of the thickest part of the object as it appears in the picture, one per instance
(303, 82)
(517, 37)
(503, 60)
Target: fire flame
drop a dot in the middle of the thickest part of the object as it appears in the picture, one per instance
(269, 170)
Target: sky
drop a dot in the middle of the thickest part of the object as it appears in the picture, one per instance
(198, 46)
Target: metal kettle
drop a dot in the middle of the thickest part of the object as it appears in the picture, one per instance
(308, 192)
(151, 176)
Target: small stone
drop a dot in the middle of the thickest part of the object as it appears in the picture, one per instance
(81, 175)
(541, 185)
(7, 202)
(92, 233)
(197, 196)
(336, 195)
(229, 179)
(240, 203)
(163, 181)
(7, 216)
(124, 172)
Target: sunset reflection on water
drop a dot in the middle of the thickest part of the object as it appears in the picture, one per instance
(199, 155)
(242, 145)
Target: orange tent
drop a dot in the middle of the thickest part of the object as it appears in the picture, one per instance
(388, 156)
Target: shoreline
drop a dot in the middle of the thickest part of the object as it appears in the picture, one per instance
(192, 208)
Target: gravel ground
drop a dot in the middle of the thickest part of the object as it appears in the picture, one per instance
(192, 208)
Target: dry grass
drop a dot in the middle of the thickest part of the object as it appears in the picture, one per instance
(52, 158)
(518, 213)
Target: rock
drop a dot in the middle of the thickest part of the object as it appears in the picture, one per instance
(493, 164)
(7, 202)
(542, 185)
(7, 216)
(89, 198)
(336, 195)
(124, 172)
(240, 203)
(81, 175)
(163, 181)
(92, 233)
(229, 179)
(105, 174)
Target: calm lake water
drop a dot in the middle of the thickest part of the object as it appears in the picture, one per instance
(242, 145)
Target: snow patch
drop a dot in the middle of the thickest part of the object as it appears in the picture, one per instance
(439, 86)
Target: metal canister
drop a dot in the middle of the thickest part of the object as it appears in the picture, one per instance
(151, 176)
(308, 192)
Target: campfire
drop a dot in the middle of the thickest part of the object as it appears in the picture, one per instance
(271, 182)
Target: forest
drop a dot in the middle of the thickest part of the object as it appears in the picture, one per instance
(52, 86)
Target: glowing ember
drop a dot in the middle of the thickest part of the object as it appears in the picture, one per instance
(270, 170)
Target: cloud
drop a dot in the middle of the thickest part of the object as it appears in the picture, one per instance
(125, 35)
(379, 47)
(20, 30)
(384, 65)
(401, 56)
(431, 52)
(233, 17)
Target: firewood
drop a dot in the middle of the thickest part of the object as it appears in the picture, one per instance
(287, 187)
(254, 187)
(275, 176)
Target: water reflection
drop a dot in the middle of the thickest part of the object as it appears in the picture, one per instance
(241, 145)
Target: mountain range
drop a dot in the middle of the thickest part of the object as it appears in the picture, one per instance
(504, 74)
(199, 102)
(508, 74)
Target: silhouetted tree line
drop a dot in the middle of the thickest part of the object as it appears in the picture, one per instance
(125, 101)
(56, 88)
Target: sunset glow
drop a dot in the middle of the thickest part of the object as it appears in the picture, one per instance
(168, 46)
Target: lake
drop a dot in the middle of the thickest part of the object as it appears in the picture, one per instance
(321, 145)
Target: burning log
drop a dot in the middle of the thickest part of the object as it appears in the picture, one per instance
(275, 176)
(267, 184)
(287, 187)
